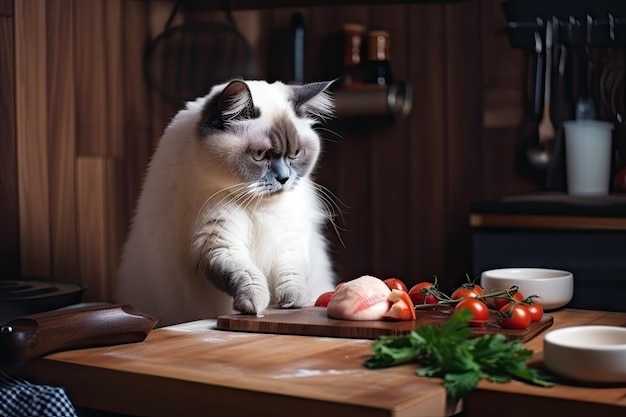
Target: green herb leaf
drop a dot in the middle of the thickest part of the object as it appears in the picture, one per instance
(451, 352)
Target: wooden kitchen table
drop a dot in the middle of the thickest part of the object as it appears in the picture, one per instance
(195, 370)
(516, 399)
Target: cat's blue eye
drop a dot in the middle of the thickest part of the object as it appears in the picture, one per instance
(258, 154)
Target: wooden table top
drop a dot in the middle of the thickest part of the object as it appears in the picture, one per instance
(193, 369)
(516, 399)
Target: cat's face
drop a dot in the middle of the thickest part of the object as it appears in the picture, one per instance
(261, 135)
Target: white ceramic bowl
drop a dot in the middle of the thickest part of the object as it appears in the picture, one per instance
(555, 287)
(587, 353)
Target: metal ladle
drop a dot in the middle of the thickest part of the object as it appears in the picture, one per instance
(585, 108)
(539, 155)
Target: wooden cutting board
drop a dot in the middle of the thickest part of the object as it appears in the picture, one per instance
(313, 321)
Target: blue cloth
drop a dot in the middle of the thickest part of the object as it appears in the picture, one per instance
(20, 398)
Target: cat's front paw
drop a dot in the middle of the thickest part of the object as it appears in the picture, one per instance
(251, 299)
(292, 294)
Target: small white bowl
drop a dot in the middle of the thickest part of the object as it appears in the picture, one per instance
(587, 353)
(554, 286)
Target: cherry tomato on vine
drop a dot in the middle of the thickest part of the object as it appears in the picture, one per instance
(479, 310)
(536, 310)
(324, 299)
(467, 291)
(401, 306)
(499, 302)
(515, 315)
(421, 293)
(395, 284)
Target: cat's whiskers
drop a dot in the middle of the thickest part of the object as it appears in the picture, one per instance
(323, 129)
(202, 213)
(331, 207)
(242, 198)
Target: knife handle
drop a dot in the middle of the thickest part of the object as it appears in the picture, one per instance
(82, 326)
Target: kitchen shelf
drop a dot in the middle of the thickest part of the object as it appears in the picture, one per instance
(273, 4)
(373, 100)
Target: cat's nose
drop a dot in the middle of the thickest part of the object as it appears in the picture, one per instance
(280, 170)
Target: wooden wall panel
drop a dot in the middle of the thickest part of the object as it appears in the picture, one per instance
(391, 211)
(426, 146)
(498, 169)
(344, 167)
(32, 146)
(9, 209)
(504, 77)
(112, 45)
(6, 8)
(97, 75)
(162, 111)
(87, 123)
(137, 130)
(61, 135)
(93, 175)
(463, 183)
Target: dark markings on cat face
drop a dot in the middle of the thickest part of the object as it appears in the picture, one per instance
(284, 159)
(275, 158)
(233, 103)
(286, 151)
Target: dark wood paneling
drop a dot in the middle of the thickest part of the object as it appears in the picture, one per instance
(61, 138)
(463, 182)
(346, 164)
(390, 163)
(9, 210)
(98, 77)
(498, 169)
(426, 147)
(31, 135)
(271, 4)
(138, 133)
(406, 185)
(6, 8)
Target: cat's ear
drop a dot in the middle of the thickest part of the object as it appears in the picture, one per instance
(313, 99)
(233, 103)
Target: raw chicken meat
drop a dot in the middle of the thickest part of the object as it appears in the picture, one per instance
(363, 298)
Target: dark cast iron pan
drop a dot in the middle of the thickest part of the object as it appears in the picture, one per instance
(41, 316)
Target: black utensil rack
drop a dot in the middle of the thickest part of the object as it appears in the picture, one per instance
(595, 26)
(593, 23)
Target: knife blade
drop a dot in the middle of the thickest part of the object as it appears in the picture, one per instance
(79, 326)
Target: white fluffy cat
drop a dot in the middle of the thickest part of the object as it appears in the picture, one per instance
(228, 218)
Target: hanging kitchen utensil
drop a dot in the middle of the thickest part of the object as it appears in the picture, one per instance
(539, 153)
(562, 111)
(585, 107)
(526, 162)
(546, 128)
(184, 61)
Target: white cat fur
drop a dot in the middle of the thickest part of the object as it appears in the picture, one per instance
(157, 274)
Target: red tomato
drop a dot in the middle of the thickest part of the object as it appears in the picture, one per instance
(515, 315)
(536, 310)
(467, 291)
(401, 307)
(478, 309)
(421, 293)
(395, 283)
(324, 299)
(499, 302)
